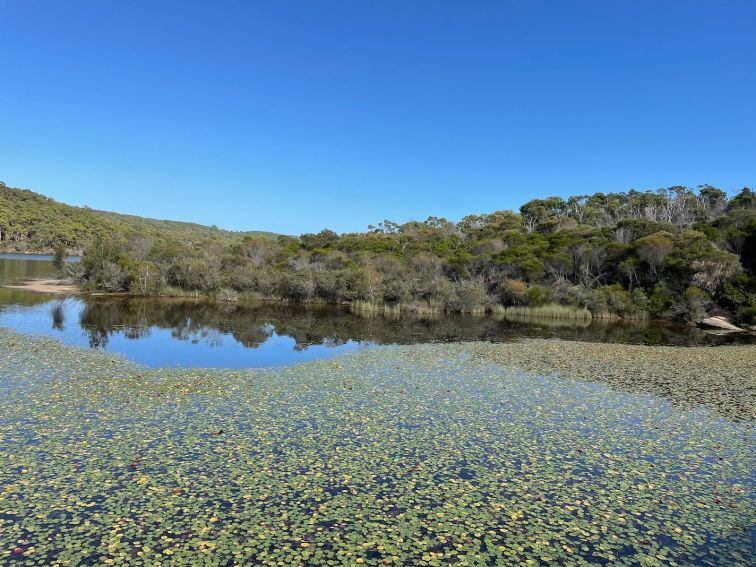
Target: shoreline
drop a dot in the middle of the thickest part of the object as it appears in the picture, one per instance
(52, 286)
(68, 287)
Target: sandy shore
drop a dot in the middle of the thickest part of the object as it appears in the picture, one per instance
(48, 286)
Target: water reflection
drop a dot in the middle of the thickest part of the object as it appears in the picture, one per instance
(18, 267)
(58, 316)
(169, 332)
(159, 331)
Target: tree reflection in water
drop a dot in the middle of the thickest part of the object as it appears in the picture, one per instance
(251, 326)
(58, 315)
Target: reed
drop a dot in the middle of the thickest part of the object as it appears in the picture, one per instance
(497, 309)
(170, 291)
(425, 307)
(375, 308)
(549, 311)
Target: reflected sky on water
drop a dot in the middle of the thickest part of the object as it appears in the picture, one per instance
(188, 333)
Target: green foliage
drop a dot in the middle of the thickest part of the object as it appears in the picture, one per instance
(660, 299)
(30, 222)
(672, 251)
(654, 248)
(693, 304)
(746, 199)
(746, 315)
(738, 291)
(611, 300)
(59, 255)
(538, 295)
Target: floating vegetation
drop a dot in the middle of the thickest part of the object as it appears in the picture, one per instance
(438, 454)
(720, 378)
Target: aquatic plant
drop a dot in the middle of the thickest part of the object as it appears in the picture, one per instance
(425, 454)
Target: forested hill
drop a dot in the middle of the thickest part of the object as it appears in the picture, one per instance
(30, 222)
(676, 252)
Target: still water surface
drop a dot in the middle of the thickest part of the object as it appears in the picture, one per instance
(187, 333)
(653, 467)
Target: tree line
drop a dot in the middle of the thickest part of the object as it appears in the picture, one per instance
(675, 252)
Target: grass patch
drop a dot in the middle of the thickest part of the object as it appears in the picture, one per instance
(549, 311)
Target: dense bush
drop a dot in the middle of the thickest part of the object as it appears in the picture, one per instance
(693, 304)
(747, 315)
(537, 295)
(673, 252)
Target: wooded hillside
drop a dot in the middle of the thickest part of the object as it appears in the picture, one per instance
(30, 222)
(674, 252)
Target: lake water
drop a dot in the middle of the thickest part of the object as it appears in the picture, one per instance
(188, 333)
(527, 453)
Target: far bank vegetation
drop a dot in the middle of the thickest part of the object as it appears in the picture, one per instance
(674, 252)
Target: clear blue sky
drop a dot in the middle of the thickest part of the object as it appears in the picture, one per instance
(294, 116)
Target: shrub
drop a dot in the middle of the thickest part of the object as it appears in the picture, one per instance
(299, 285)
(395, 289)
(227, 295)
(266, 282)
(512, 291)
(640, 302)
(653, 249)
(200, 273)
(113, 277)
(610, 300)
(660, 299)
(737, 292)
(59, 256)
(146, 278)
(240, 278)
(746, 315)
(712, 272)
(692, 305)
(469, 296)
(617, 300)
(537, 295)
